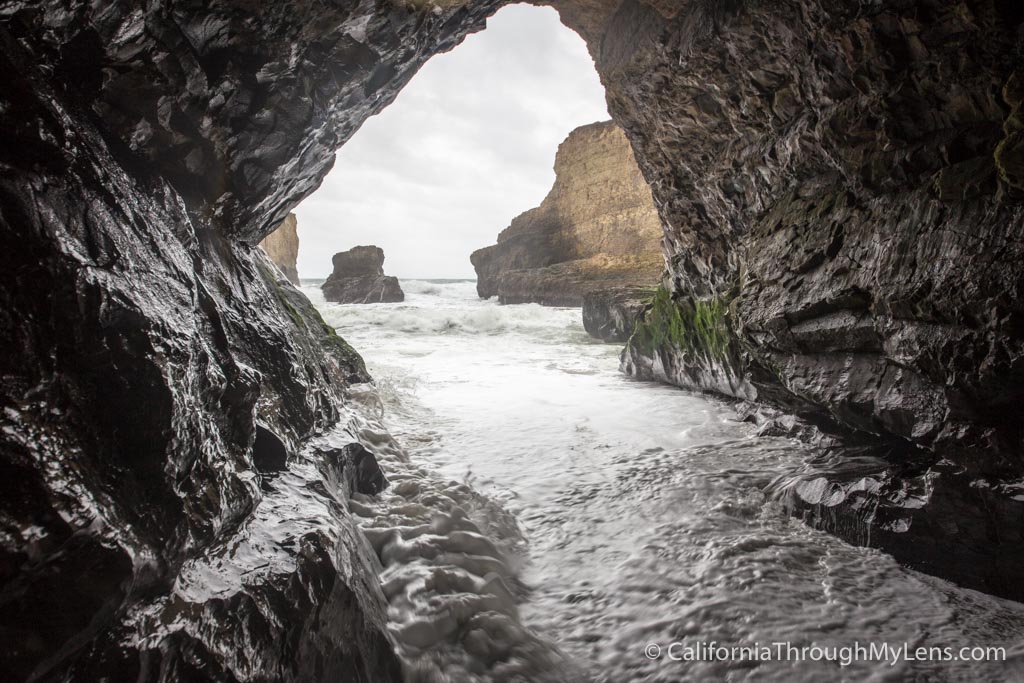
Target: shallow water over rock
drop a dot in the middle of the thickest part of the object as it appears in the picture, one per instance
(550, 519)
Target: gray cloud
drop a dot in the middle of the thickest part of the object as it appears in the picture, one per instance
(468, 145)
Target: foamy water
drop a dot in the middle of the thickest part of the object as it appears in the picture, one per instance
(549, 518)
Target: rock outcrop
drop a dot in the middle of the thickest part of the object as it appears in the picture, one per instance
(358, 278)
(844, 239)
(282, 246)
(611, 315)
(840, 187)
(156, 377)
(160, 381)
(596, 229)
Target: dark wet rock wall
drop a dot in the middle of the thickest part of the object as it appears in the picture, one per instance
(144, 358)
(611, 315)
(240, 106)
(160, 379)
(837, 187)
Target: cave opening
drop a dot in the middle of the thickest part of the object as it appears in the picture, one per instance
(467, 145)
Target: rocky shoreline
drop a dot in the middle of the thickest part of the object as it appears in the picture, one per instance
(857, 276)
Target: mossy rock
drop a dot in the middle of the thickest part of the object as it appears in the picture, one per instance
(1009, 154)
(307, 318)
(698, 328)
(1010, 160)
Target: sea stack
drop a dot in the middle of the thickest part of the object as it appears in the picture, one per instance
(282, 246)
(359, 278)
(597, 229)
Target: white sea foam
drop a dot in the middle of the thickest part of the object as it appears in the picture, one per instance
(548, 517)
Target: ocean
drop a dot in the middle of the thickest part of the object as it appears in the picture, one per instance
(593, 527)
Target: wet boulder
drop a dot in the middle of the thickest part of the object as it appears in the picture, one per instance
(353, 468)
(611, 314)
(362, 471)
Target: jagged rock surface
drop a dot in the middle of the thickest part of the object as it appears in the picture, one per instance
(144, 413)
(159, 380)
(282, 246)
(839, 187)
(241, 107)
(597, 228)
(358, 278)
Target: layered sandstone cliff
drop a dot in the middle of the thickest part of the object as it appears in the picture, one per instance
(358, 278)
(282, 246)
(597, 228)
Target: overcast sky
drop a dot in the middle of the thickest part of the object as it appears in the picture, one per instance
(466, 146)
